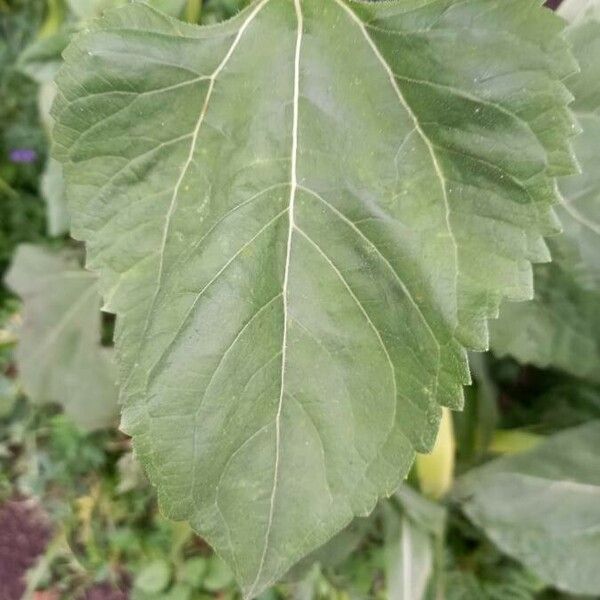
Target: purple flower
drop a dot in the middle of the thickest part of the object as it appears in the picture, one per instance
(23, 155)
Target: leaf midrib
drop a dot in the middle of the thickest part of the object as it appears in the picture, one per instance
(291, 227)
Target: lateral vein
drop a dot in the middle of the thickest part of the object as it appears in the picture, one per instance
(173, 203)
(417, 125)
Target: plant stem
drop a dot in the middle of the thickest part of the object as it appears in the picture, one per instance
(512, 441)
(54, 18)
(435, 471)
(193, 10)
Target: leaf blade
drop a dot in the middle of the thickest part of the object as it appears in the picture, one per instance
(246, 238)
(59, 354)
(541, 507)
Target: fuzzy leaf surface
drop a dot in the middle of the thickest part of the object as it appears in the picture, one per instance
(542, 507)
(88, 9)
(301, 217)
(53, 190)
(59, 354)
(560, 328)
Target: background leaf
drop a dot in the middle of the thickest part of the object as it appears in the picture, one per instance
(542, 507)
(413, 526)
(53, 190)
(60, 359)
(475, 425)
(42, 58)
(409, 560)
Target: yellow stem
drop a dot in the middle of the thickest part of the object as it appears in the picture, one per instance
(193, 10)
(435, 471)
(512, 441)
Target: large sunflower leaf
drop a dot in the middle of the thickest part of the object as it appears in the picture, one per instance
(87, 9)
(301, 217)
(560, 328)
(60, 357)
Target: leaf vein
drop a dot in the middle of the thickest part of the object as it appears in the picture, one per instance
(417, 125)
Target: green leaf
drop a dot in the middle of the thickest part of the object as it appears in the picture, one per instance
(543, 507)
(427, 514)
(463, 586)
(88, 9)
(567, 405)
(336, 551)
(46, 96)
(154, 577)
(52, 185)
(576, 10)
(131, 474)
(42, 58)
(53, 190)
(409, 543)
(560, 328)
(218, 575)
(476, 424)
(59, 354)
(301, 217)
(178, 592)
(580, 210)
(409, 560)
(504, 584)
(194, 571)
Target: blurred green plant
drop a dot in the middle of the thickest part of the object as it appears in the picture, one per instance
(22, 142)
